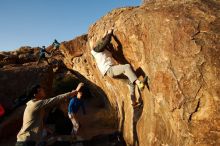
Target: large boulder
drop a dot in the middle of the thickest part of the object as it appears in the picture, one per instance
(176, 44)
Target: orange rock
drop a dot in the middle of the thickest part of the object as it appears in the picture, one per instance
(176, 44)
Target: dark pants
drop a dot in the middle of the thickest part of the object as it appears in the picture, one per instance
(42, 57)
(25, 143)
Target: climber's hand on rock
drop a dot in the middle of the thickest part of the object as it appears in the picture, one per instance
(73, 93)
(79, 86)
(110, 30)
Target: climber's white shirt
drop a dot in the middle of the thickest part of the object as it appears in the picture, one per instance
(104, 60)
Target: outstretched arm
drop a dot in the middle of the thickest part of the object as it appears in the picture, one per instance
(105, 41)
(55, 100)
(76, 90)
(80, 85)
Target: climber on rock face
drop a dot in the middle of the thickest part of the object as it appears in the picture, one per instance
(56, 45)
(74, 105)
(107, 65)
(31, 131)
(42, 55)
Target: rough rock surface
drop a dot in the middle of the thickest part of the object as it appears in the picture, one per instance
(77, 57)
(18, 78)
(17, 81)
(176, 44)
(28, 54)
(20, 56)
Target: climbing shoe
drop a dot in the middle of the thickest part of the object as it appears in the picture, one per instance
(143, 83)
(140, 86)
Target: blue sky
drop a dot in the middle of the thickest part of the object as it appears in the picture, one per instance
(38, 22)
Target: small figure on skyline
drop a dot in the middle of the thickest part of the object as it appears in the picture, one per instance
(42, 55)
(56, 45)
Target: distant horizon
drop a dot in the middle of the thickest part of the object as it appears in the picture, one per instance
(38, 23)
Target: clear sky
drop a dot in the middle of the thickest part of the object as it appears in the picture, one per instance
(38, 22)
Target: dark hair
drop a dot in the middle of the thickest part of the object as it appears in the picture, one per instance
(82, 89)
(33, 90)
(85, 90)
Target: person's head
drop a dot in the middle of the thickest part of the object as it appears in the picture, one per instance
(43, 47)
(55, 40)
(37, 92)
(80, 88)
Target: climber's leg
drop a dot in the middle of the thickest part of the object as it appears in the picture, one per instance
(127, 71)
(74, 122)
(122, 69)
(132, 92)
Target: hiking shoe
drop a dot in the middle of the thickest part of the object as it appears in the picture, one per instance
(73, 136)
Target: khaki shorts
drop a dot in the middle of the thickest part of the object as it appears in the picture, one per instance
(70, 115)
(74, 122)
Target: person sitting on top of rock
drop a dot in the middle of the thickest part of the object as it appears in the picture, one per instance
(74, 105)
(107, 65)
(34, 113)
(56, 44)
(42, 55)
